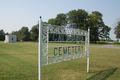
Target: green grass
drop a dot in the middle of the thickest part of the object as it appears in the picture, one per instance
(82, 43)
(116, 43)
(19, 61)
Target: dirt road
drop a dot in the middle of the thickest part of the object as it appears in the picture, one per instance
(109, 45)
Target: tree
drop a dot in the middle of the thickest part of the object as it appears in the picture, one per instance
(117, 30)
(34, 32)
(78, 17)
(51, 21)
(2, 35)
(59, 20)
(96, 24)
(82, 20)
(7, 33)
(17, 34)
(105, 32)
(24, 33)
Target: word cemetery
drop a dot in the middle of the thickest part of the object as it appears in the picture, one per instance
(66, 50)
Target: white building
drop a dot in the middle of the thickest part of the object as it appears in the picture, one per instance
(10, 39)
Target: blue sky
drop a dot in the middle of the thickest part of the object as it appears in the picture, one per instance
(14, 14)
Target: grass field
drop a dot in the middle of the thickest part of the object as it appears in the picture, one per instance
(19, 61)
(116, 43)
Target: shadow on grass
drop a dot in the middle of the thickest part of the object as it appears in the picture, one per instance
(103, 75)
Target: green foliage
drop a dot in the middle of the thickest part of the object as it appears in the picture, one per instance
(59, 20)
(23, 34)
(17, 34)
(78, 17)
(95, 23)
(82, 20)
(99, 43)
(51, 21)
(117, 30)
(7, 33)
(34, 32)
(2, 35)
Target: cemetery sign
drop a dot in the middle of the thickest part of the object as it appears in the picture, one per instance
(61, 34)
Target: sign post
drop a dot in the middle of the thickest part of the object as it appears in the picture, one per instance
(40, 49)
(88, 50)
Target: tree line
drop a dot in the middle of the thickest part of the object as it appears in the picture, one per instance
(78, 18)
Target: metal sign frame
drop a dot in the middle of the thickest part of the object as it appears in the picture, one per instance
(45, 30)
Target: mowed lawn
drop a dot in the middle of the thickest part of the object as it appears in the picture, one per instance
(117, 43)
(19, 61)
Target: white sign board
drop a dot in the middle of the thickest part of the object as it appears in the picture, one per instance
(61, 53)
